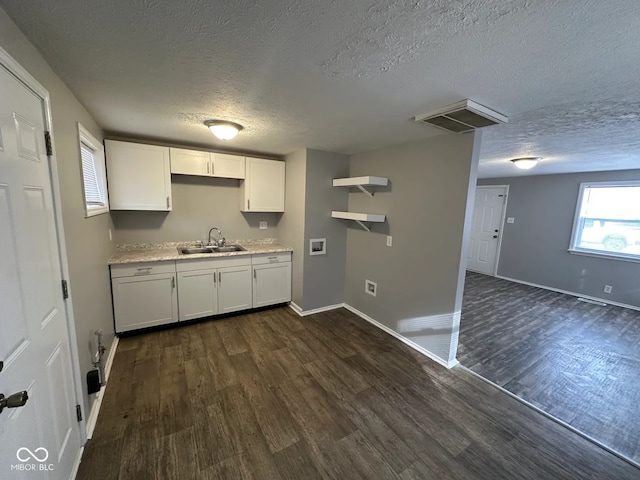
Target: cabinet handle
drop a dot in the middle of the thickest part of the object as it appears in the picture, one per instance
(143, 270)
(220, 278)
(213, 168)
(254, 273)
(168, 206)
(214, 279)
(173, 283)
(248, 204)
(207, 168)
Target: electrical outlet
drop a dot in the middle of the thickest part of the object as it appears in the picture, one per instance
(110, 236)
(389, 240)
(263, 225)
(370, 287)
(608, 289)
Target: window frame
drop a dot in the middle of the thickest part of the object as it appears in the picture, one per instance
(89, 141)
(573, 249)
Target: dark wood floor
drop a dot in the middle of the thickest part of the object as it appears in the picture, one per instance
(270, 395)
(577, 361)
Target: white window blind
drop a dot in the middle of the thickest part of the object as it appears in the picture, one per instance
(94, 179)
(94, 196)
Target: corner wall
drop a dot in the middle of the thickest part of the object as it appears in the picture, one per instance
(87, 239)
(418, 277)
(535, 247)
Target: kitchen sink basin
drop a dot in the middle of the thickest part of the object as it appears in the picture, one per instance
(226, 248)
(230, 248)
(194, 250)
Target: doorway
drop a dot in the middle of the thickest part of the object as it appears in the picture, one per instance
(486, 230)
(37, 354)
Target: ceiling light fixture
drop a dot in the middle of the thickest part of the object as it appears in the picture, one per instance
(222, 129)
(525, 163)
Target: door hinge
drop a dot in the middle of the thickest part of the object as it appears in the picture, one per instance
(47, 143)
(65, 289)
(79, 413)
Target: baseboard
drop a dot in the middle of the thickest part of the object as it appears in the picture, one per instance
(303, 313)
(76, 464)
(404, 340)
(573, 294)
(97, 403)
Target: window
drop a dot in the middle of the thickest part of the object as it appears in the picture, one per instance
(93, 174)
(607, 220)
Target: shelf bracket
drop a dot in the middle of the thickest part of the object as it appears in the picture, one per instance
(365, 191)
(362, 225)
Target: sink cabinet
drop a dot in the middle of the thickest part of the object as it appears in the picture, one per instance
(210, 287)
(206, 164)
(144, 295)
(139, 176)
(271, 279)
(263, 187)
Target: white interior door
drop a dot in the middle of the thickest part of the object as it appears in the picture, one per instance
(486, 230)
(42, 438)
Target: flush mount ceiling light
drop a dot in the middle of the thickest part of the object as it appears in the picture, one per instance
(222, 129)
(525, 163)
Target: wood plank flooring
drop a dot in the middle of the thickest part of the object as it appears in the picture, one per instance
(270, 395)
(577, 361)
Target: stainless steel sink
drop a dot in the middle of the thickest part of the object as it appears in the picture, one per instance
(194, 250)
(225, 249)
(230, 248)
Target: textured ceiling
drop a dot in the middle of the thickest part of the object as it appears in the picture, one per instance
(349, 76)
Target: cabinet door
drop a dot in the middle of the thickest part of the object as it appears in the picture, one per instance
(263, 188)
(139, 176)
(144, 301)
(234, 289)
(197, 294)
(189, 162)
(227, 166)
(271, 284)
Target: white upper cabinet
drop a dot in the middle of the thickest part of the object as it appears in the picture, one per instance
(206, 164)
(189, 162)
(263, 187)
(139, 176)
(227, 166)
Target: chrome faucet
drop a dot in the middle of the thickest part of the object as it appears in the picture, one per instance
(221, 240)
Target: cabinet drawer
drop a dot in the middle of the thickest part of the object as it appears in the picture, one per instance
(208, 263)
(140, 269)
(271, 258)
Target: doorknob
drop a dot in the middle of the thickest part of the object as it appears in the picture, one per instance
(14, 401)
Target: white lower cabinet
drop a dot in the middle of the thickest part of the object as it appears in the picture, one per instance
(144, 295)
(271, 279)
(210, 287)
(198, 294)
(158, 293)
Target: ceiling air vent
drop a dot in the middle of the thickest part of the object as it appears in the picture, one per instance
(462, 117)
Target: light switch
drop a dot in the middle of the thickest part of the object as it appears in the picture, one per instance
(389, 240)
(511, 220)
(263, 225)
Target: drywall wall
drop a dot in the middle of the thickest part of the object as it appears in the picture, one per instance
(418, 277)
(199, 203)
(535, 247)
(87, 239)
(324, 274)
(291, 225)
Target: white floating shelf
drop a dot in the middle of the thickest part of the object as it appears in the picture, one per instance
(361, 183)
(359, 218)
